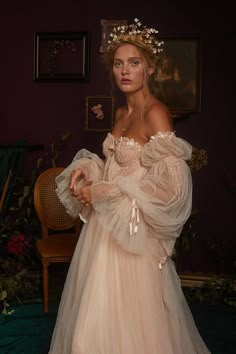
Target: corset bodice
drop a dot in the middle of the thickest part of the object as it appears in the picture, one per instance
(124, 155)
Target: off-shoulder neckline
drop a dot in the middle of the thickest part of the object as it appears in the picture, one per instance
(159, 134)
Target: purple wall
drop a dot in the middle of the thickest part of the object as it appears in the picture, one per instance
(40, 112)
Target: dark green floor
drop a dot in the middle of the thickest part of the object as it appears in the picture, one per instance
(28, 330)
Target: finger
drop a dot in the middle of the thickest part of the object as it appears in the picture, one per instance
(74, 176)
(74, 191)
(76, 194)
(73, 181)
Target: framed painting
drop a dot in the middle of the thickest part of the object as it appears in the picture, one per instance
(179, 75)
(107, 26)
(61, 56)
(99, 112)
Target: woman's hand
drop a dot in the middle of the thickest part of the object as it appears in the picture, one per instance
(84, 195)
(76, 175)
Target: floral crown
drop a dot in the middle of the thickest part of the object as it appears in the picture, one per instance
(136, 31)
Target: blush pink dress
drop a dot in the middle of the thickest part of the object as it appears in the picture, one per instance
(122, 294)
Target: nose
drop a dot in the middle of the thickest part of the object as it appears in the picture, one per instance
(125, 69)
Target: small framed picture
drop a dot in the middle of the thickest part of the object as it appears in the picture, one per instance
(107, 27)
(179, 75)
(99, 112)
(61, 56)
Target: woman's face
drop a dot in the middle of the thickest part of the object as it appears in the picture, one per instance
(128, 69)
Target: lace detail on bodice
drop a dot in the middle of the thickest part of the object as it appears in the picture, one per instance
(126, 150)
(163, 135)
(110, 142)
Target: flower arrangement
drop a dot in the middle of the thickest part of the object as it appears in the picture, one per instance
(18, 260)
(198, 160)
(20, 268)
(97, 111)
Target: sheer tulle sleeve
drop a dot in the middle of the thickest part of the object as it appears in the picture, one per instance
(92, 167)
(158, 205)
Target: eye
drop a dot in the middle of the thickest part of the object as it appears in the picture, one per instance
(135, 62)
(117, 64)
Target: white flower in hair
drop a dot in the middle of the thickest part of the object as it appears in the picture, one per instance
(146, 35)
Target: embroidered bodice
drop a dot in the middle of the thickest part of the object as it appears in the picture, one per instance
(124, 155)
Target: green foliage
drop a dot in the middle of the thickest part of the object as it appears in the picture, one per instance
(20, 267)
(216, 290)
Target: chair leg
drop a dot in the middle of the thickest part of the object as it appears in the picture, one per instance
(45, 285)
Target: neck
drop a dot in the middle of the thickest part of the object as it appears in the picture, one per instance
(135, 104)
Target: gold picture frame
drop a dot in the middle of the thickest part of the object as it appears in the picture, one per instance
(179, 77)
(107, 26)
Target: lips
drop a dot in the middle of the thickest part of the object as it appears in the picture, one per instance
(125, 82)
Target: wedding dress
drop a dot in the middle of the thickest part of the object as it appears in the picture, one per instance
(122, 294)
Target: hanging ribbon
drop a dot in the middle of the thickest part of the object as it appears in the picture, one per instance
(134, 220)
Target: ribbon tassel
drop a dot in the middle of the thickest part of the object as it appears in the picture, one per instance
(162, 262)
(135, 219)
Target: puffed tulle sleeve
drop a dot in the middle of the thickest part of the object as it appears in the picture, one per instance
(92, 167)
(156, 206)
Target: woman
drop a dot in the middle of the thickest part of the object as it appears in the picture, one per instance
(122, 294)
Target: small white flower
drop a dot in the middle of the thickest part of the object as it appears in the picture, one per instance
(137, 29)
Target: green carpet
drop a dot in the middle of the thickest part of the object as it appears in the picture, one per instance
(28, 330)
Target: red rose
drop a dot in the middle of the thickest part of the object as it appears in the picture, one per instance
(16, 245)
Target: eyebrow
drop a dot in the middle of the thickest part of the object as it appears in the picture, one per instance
(131, 58)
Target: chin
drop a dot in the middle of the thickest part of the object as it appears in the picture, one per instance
(126, 89)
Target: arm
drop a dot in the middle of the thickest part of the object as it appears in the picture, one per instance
(84, 167)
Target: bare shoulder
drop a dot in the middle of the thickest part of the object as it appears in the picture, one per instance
(158, 118)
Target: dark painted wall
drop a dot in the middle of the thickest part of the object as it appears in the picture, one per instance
(40, 112)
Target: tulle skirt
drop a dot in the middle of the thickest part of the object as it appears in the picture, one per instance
(115, 302)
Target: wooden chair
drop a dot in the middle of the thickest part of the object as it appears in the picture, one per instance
(57, 242)
(4, 191)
